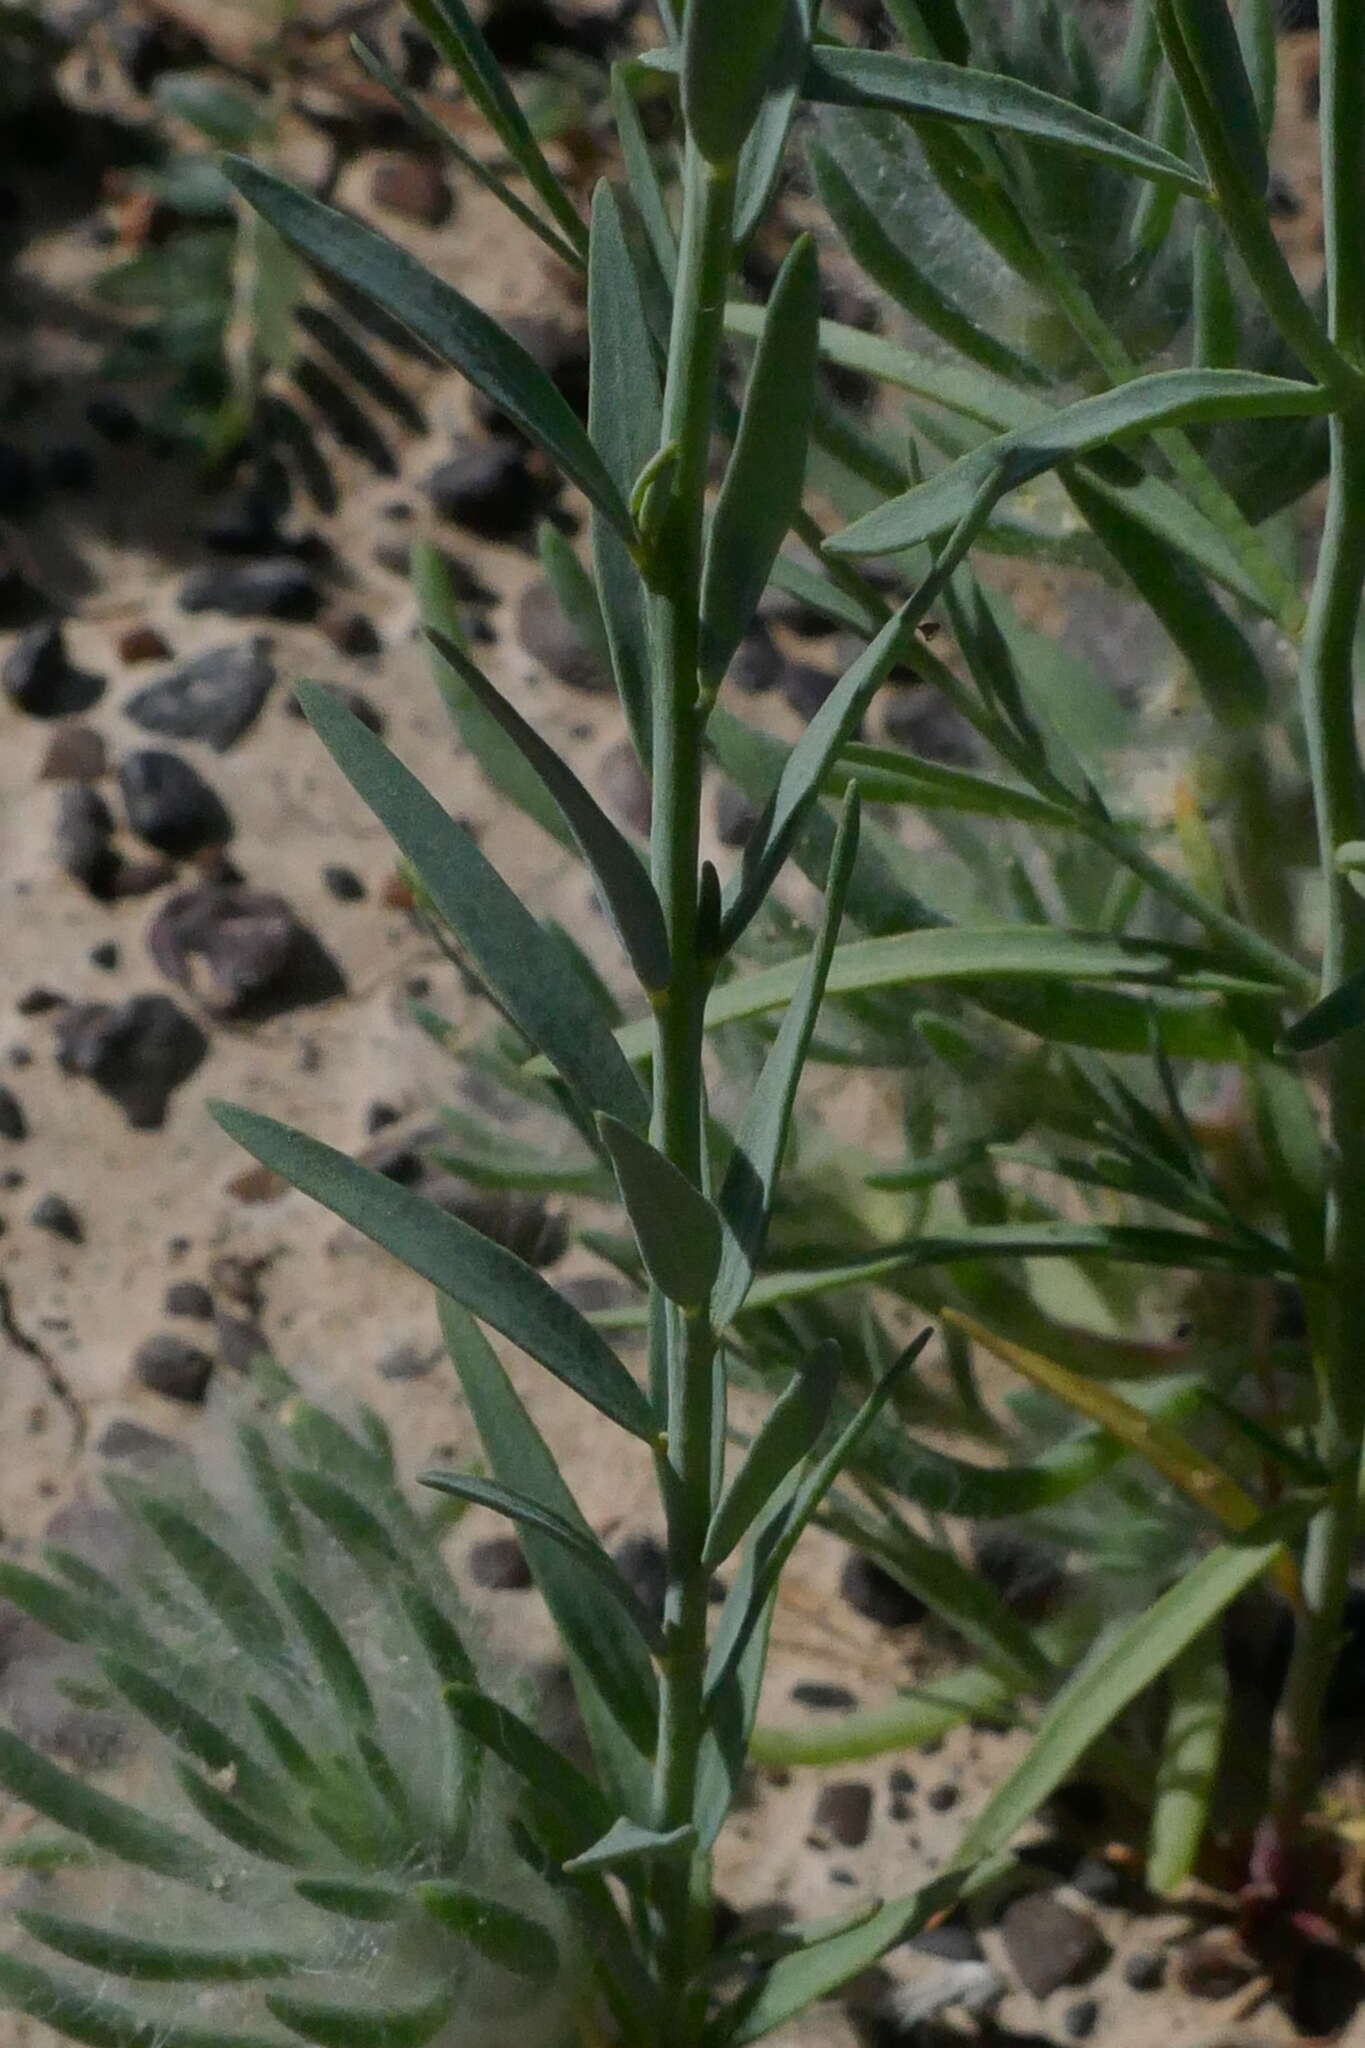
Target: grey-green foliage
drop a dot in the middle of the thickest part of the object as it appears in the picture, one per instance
(304, 1842)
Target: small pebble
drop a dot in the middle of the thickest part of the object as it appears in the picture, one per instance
(170, 805)
(39, 677)
(55, 1214)
(169, 1366)
(84, 839)
(344, 883)
(1145, 1970)
(13, 1122)
(755, 665)
(69, 467)
(414, 187)
(844, 1811)
(189, 1298)
(215, 698)
(113, 419)
(551, 640)
(105, 955)
(806, 688)
(143, 643)
(1048, 1944)
(1079, 2019)
(276, 587)
(824, 1697)
(943, 1798)
(643, 1563)
(352, 633)
(486, 487)
(625, 787)
(405, 1362)
(873, 1593)
(499, 1565)
(735, 815)
(125, 1438)
(953, 1942)
(137, 1053)
(1098, 1880)
(75, 753)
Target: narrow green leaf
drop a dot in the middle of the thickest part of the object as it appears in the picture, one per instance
(510, 1939)
(235, 1822)
(1206, 30)
(517, 963)
(586, 1551)
(426, 124)
(72, 2010)
(501, 760)
(885, 775)
(284, 1743)
(149, 1959)
(760, 493)
(441, 317)
(1089, 1703)
(352, 1898)
(676, 1228)
(490, 1281)
(921, 87)
(172, 1715)
(450, 1661)
(791, 1429)
(1191, 1752)
(53, 1607)
(331, 1652)
(221, 1583)
(625, 1843)
(356, 1528)
(1168, 398)
(797, 1981)
(643, 182)
(604, 1650)
(760, 160)
(1340, 1011)
(269, 1488)
(726, 61)
(841, 607)
(626, 888)
(624, 423)
(920, 1715)
(1217, 341)
(362, 2023)
(108, 1823)
(547, 1773)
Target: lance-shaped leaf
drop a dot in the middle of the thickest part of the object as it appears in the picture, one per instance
(1340, 1011)
(1199, 1477)
(352, 1898)
(221, 1583)
(519, 965)
(150, 1959)
(82, 2015)
(1209, 42)
(510, 1939)
(1168, 398)
(457, 36)
(921, 87)
(919, 1715)
(458, 331)
(501, 760)
(364, 2023)
(625, 1843)
(331, 1652)
(790, 1431)
(885, 775)
(746, 1193)
(726, 60)
(173, 1714)
(490, 1281)
(676, 1228)
(760, 494)
(1105, 1686)
(1187, 1772)
(619, 871)
(236, 1822)
(760, 160)
(624, 415)
(834, 724)
(585, 1550)
(110, 1824)
(547, 1774)
(612, 1671)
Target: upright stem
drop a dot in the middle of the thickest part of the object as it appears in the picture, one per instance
(1327, 685)
(683, 1900)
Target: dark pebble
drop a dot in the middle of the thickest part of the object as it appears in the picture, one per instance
(36, 1002)
(277, 587)
(405, 1362)
(550, 639)
(356, 702)
(18, 481)
(215, 698)
(189, 1298)
(873, 1593)
(1029, 1576)
(127, 1439)
(499, 1565)
(1214, 1966)
(343, 883)
(105, 955)
(486, 487)
(625, 787)
(1145, 1970)
(922, 720)
(75, 753)
(1048, 1945)
(13, 1122)
(943, 1798)
(844, 1811)
(643, 1563)
(170, 805)
(137, 1052)
(241, 1341)
(735, 816)
(84, 839)
(902, 1782)
(824, 1697)
(1098, 1880)
(379, 1116)
(755, 665)
(169, 1366)
(953, 1942)
(141, 877)
(56, 1215)
(521, 1223)
(69, 467)
(1327, 1988)
(414, 187)
(1079, 2020)
(38, 676)
(256, 955)
(113, 419)
(806, 688)
(352, 633)
(142, 643)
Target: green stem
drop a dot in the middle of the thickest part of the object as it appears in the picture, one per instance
(1327, 687)
(704, 258)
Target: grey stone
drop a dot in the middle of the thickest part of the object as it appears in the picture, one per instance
(1048, 1944)
(169, 1366)
(137, 1052)
(844, 1812)
(276, 587)
(551, 639)
(170, 805)
(215, 698)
